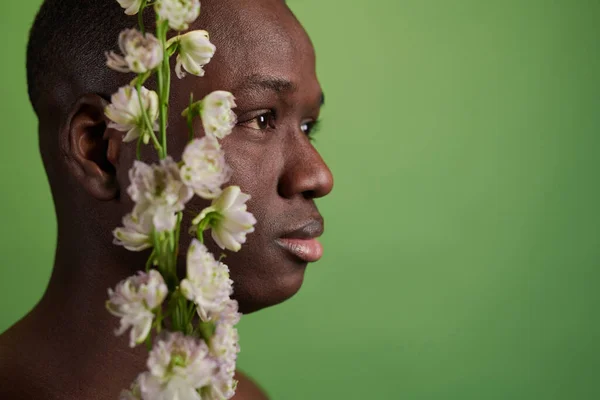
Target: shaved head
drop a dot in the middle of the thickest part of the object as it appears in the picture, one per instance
(264, 57)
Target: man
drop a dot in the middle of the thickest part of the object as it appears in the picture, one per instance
(65, 348)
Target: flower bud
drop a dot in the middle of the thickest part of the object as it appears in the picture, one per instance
(141, 53)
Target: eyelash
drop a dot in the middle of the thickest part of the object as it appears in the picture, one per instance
(312, 126)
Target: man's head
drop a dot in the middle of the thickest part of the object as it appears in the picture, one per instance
(263, 57)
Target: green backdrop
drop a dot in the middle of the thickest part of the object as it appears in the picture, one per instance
(463, 239)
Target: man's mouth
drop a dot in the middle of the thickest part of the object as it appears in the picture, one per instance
(303, 243)
(309, 250)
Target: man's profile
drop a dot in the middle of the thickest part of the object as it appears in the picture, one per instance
(65, 347)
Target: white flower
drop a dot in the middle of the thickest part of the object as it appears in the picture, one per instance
(135, 233)
(178, 367)
(224, 347)
(158, 191)
(140, 53)
(126, 115)
(207, 282)
(195, 51)
(217, 117)
(229, 314)
(223, 384)
(132, 7)
(133, 300)
(228, 218)
(179, 13)
(205, 169)
(224, 343)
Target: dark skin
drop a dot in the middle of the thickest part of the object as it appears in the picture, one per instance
(65, 347)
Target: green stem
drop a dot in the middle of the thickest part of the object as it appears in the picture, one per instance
(149, 126)
(141, 78)
(150, 260)
(141, 17)
(163, 83)
(138, 149)
(167, 94)
(149, 342)
(176, 239)
(172, 258)
(202, 227)
(173, 48)
(180, 313)
(200, 235)
(207, 330)
(178, 231)
(191, 311)
(159, 318)
(172, 241)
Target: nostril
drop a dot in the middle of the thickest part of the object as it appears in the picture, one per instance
(309, 194)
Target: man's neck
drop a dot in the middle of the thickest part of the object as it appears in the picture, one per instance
(65, 347)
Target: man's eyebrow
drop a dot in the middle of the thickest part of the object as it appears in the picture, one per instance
(275, 84)
(279, 85)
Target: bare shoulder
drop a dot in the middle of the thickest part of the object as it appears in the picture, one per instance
(247, 389)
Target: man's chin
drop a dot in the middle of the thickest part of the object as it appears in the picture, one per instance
(255, 294)
(263, 275)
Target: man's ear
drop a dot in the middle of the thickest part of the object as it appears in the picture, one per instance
(91, 148)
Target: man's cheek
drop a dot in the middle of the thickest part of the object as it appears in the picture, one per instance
(255, 169)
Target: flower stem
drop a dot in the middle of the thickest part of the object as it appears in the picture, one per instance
(159, 318)
(200, 232)
(164, 77)
(167, 81)
(171, 258)
(177, 235)
(149, 342)
(141, 17)
(149, 126)
(178, 229)
(150, 260)
(206, 330)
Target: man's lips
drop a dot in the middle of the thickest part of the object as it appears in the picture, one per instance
(302, 242)
(309, 250)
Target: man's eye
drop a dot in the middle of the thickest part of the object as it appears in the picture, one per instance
(307, 127)
(310, 128)
(260, 122)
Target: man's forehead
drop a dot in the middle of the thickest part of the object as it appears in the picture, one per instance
(254, 35)
(260, 45)
(249, 21)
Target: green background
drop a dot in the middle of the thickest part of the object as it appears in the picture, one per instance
(463, 239)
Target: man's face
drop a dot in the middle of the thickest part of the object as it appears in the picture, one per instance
(266, 60)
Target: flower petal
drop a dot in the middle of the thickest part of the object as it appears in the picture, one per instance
(225, 240)
(227, 198)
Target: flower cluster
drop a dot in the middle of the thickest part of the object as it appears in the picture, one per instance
(228, 218)
(129, 111)
(141, 53)
(207, 283)
(134, 301)
(195, 51)
(194, 349)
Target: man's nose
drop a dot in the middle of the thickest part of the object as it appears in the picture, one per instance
(305, 173)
